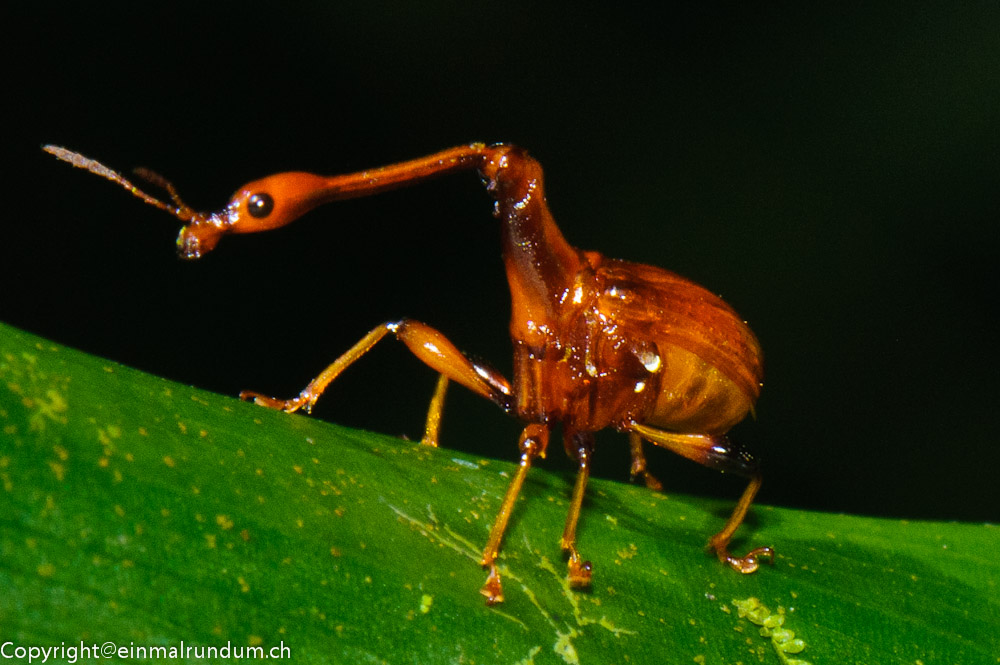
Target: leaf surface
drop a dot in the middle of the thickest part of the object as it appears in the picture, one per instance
(142, 513)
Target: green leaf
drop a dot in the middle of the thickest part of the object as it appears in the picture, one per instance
(143, 513)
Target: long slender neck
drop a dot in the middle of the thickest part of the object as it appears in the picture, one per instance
(540, 264)
(385, 178)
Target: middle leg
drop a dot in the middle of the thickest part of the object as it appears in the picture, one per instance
(638, 469)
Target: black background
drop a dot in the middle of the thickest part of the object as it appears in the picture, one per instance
(831, 171)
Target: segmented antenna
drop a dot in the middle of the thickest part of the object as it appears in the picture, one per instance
(180, 209)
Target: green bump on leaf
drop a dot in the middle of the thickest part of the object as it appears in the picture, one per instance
(783, 640)
(138, 511)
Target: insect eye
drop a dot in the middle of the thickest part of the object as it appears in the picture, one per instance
(260, 205)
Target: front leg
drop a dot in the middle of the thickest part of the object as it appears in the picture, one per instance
(307, 398)
(428, 345)
(534, 441)
(581, 446)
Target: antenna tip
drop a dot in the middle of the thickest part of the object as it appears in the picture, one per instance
(61, 153)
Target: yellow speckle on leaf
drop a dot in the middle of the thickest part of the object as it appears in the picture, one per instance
(564, 647)
(46, 570)
(119, 511)
(298, 469)
(244, 587)
(224, 522)
(58, 470)
(169, 461)
(61, 452)
(52, 409)
(255, 640)
(210, 540)
(425, 603)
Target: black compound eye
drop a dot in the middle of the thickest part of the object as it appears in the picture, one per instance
(260, 205)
